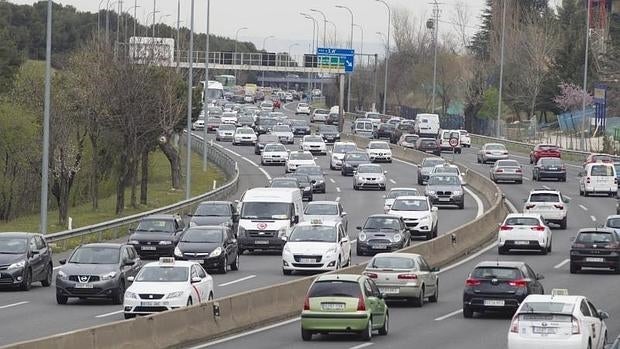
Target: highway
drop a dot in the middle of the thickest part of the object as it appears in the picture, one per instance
(256, 270)
(442, 325)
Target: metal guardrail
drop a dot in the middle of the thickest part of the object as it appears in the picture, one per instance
(109, 229)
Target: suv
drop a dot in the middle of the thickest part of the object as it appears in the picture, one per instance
(25, 258)
(544, 151)
(595, 248)
(550, 204)
(157, 235)
(445, 189)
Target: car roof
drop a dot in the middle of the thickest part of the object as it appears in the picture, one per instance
(593, 230)
(397, 254)
(324, 202)
(413, 197)
(524, 215)
(381, 215)
(573, 299)
(543, 191)
(339, 277)
(177, 263)
(215, 202)
(326, 223)
(284, 178)
(509, 264)
(104, 244)
(18, 234)
(486, 144)
(161, 216)
(404, 188)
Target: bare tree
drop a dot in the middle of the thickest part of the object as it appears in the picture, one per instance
(461, 18)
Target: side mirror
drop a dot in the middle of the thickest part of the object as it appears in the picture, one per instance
(539, 276)
(313, 181)
(435, 269)
(384, 172)
(358, 228)
(62, 261)
(296, 219)
(603, 315)
(566, 200)
(196, 279)
(131, 278)
(572, 239)
(434, 209)
(129, 263)
(284, 238)
(343, 214)
(380, 295)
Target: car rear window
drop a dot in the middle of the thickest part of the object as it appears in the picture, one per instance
(550, 161)
(547, 307)
(544, 197)
(393, 263)
(613, 223)
(335, 288)
(548, 147)
(496, 273)
(595, 237)
(508, 163)
(522, 221)
(428, 143)
(602, 170)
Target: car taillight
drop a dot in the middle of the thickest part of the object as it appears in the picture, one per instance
(505, 227)
(472, 282)
(371, 275)
(518, 170)
(499, 170)
(527, 207)
(538, 228)
(489, 153)
(561, 207)
(587, 179)
(518, 283)
(361, 305)
(514, 325)
(407, 276)
(575, 326)
(505, 153)
(613, 245)
(307, 303)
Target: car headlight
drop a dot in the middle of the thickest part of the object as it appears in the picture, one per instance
(457, 193)
(215, 253)
(430, 192)
(176, 294)
(361, 237)
(17, 265)
(177, 252)
(282, 232)
(165, 242)
(307, 188)
(287, 249)
(108, 276)
(240, 231)
(331, 251)
(133, 242)
(62, 275)
(130, 295)
(397, 237)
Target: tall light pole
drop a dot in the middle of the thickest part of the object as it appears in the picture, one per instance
(435, 37)
(46, 120)
(324, 33)
(99, 17)
(146, 22)
(206, 88)
(155, 11)
(160, 21)
(135, 16)
(264, 41)
(387, 54)
(501, 73)
(351, 47)
(585, 78)
(361, 37)
(236, 39)
(335, 30)
(134, 8)
(289, 60)
(118, 20)
(188, 179)
(178, 43)
(107, 19)
(314, 33)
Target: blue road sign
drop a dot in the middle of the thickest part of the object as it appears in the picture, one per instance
(336, 57)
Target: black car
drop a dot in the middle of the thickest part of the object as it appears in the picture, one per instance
(332, 119)
(216, 213)
(445, 189)
(262, 141)
(157, 235)
(426, 167)
(264, 125)
(305, 185)
(214, 246)
(25, 258)
(329, 133)
(549, 168)
(382, 233)
(384, 130)
(499, 286)
(317, 177)
(428, 145)
(97, 270)
(292, 182)
(300, 127)
(595, 248)
(352, 160)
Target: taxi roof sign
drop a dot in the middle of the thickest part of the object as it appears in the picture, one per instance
(166, 260)
(316, 221)
(559, 292)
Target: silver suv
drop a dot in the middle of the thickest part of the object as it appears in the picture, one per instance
(369, 176)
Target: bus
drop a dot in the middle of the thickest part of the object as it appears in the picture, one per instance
(226, 80)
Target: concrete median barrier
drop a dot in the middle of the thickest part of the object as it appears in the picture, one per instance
(240, 312)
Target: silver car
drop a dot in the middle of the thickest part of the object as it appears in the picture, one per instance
(369, 176)
(506, 170)
(492, 152)
(396, 192)
(326, 211)
(225, 132)
(404, 276)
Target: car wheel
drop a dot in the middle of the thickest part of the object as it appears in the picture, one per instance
(502, 250)
(574, 268)
(355, 187)
(60, 299)
(418, 302)
(478, 160)
(129, 316)
(48, 276)
(520, 181)
(235, 264)
(306, 335)
(429, 235)
(420, 182)
(224, 267)
(189, 302)
(27, 281)
(544, 251)
(461, 205)
(331, 167)
(549, 247)
(435, 296)
(386, 325)
(467, 312)
(287, 272)
(563, 179)
(563, 223)
(358, 251)
(119, 296)
(367, 333)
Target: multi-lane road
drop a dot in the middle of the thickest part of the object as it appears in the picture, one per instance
(35, 313)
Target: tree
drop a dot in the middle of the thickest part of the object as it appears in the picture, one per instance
(571, 97)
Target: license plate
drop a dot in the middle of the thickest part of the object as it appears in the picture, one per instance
(148, 248)
(595, 260)
(444, 199)
(84, 285)
(261, 242)
(308, 260)
(150, 303)
(552, 168)
(332, 306)
(522, 242)
(543, 330)
(379, 247)
(430, 151)
(201, 261)
(493, 303)
(389, 290)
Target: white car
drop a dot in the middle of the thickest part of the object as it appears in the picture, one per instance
(374, 117)
(369, 176)
(326, 211)
(522, 231)
(302, 108)
(274, 154)
(288, 97)
(550, 204)
(319, 115)
(448, 168)
(298, 158)
(316, 245)
(229, 118)
(199, 124)
(338, 152)
(557, 321)
(379, 151)
(284, 133)
(465, 139)
(244, 135)
(167, 284)
(419, 215)
(248, 99)
(314, 144)
(225, 132)
(266, 106)
(396, 192)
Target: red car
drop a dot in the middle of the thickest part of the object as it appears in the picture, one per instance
(544, 151)
(276, 103)
(595, 157)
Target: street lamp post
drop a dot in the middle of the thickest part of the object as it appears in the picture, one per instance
(314, 33)
(324, 32)
(46, 121)
(289, 60)
(160, 18)
(188, 175)
(501, 73)
(361, 37)
(384, 41)
(99, 17)
(107, 20)
(335, 30)
(146, 22)
(435, 37)
(235, 54)
(134, 7)
(585, 78)
(264, 41)
(350, 46)
(387, 54)
(205, 149)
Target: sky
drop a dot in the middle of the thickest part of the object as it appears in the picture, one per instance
(282, 18)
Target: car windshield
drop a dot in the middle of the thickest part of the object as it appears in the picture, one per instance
(499, 147)
(227, 127)
(595, 237)
(245, 131)
(13, 245)
(265, 210)
(302, 105)
(507, 163)
(443, 180)
(156, 225)
(369, 169)
(496, 273)
(95, 255)
(602, 170)
(386, 126)
(446, 169)
(281, 128)
(393, 263)
(275, 147)
(410, 139)
(246, 119)
(548, 147)
(547, 307)
(302, 179)
(401, 192)
(463, 132)
(298, 123)
(544, 197)
(321, 209)
(328, 129)
(528, 221)
(313, 139)
(163, 274)
(410, 205)
(301, 156)
(284, 183)
(344, 148)
(201, 235)
(321, 111)
(382, 223)
(378, 145)
(213, 121)
(432, 162)
(213, 210)
(310, 170)
(267, 139)
(335, 288)
(313, 233)
(429, 143)
(267, 122)
(373, 115)
(613, 223)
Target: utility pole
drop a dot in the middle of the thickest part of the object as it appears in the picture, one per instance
(188, 176)
(118, 20)
(351, 47)
(46, 121)
(435, 37)
(154, 11)
(178, 51)
(374, 85)
(585, 79)
(135, 17)
(387, 54)
(206, 88)
(501, 73)
(324, 33)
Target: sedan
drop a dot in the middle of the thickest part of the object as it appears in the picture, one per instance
(284, 134)
(429, 146)
(99, 270)
(491, 152)
(396, 192)
(404, 276)
(384, 131)
(506, 171)
(382, 233)
(298, 158)
(316, 175)
(262, 141)
(300, 127)
(274, 153)
(595, 248)
(338, 152)
(549, 168)
(319, 115)
(244, 135)
(302, 108)
(215, 213)
(369, 176)
(329, 133)
(213, 246)
(408, 140)
(352, 160)
(326, 211)
(544, 151)
(25, 258)
(225, 132)
(314, 144)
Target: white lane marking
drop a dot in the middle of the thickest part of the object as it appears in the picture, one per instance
(265, 173)
(561, 264)
(546, 187)
(58, 267)
(250, 161)
(338, 199)
(593, 218)
(582, 207)
(247, 333)
(338, 189)
(392, 181)
(238, 280)
(362, 346)
(109, 314)
(234, 153)
(332, 180)
(479, 204)
(525, 178)
(13, 305)
(456, 312)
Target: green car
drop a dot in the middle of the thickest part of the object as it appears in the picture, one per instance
(344, 303)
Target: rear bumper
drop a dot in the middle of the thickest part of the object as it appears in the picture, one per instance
(516, 341)
(348, 322)
(551, 174)
(514, 244)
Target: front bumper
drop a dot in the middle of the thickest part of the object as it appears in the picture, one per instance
(144, 307)
(207, 262)
(316, 150)
(366, 247)
(278, 161)
(380, 157)
(492, 157)
(245, 141)
(444, 200)
(370, 184)
(11, 277)
(97, 289)
(296, 263)
(223, 137)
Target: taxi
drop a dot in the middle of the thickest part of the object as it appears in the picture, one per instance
(165, 285)
(316, 245)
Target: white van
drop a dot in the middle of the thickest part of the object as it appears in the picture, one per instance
(267, 215)
(375, 117)
(598, 178)
(427, 125)
(363, 128)
(444, 140)
(214, 92)
(334, 110)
